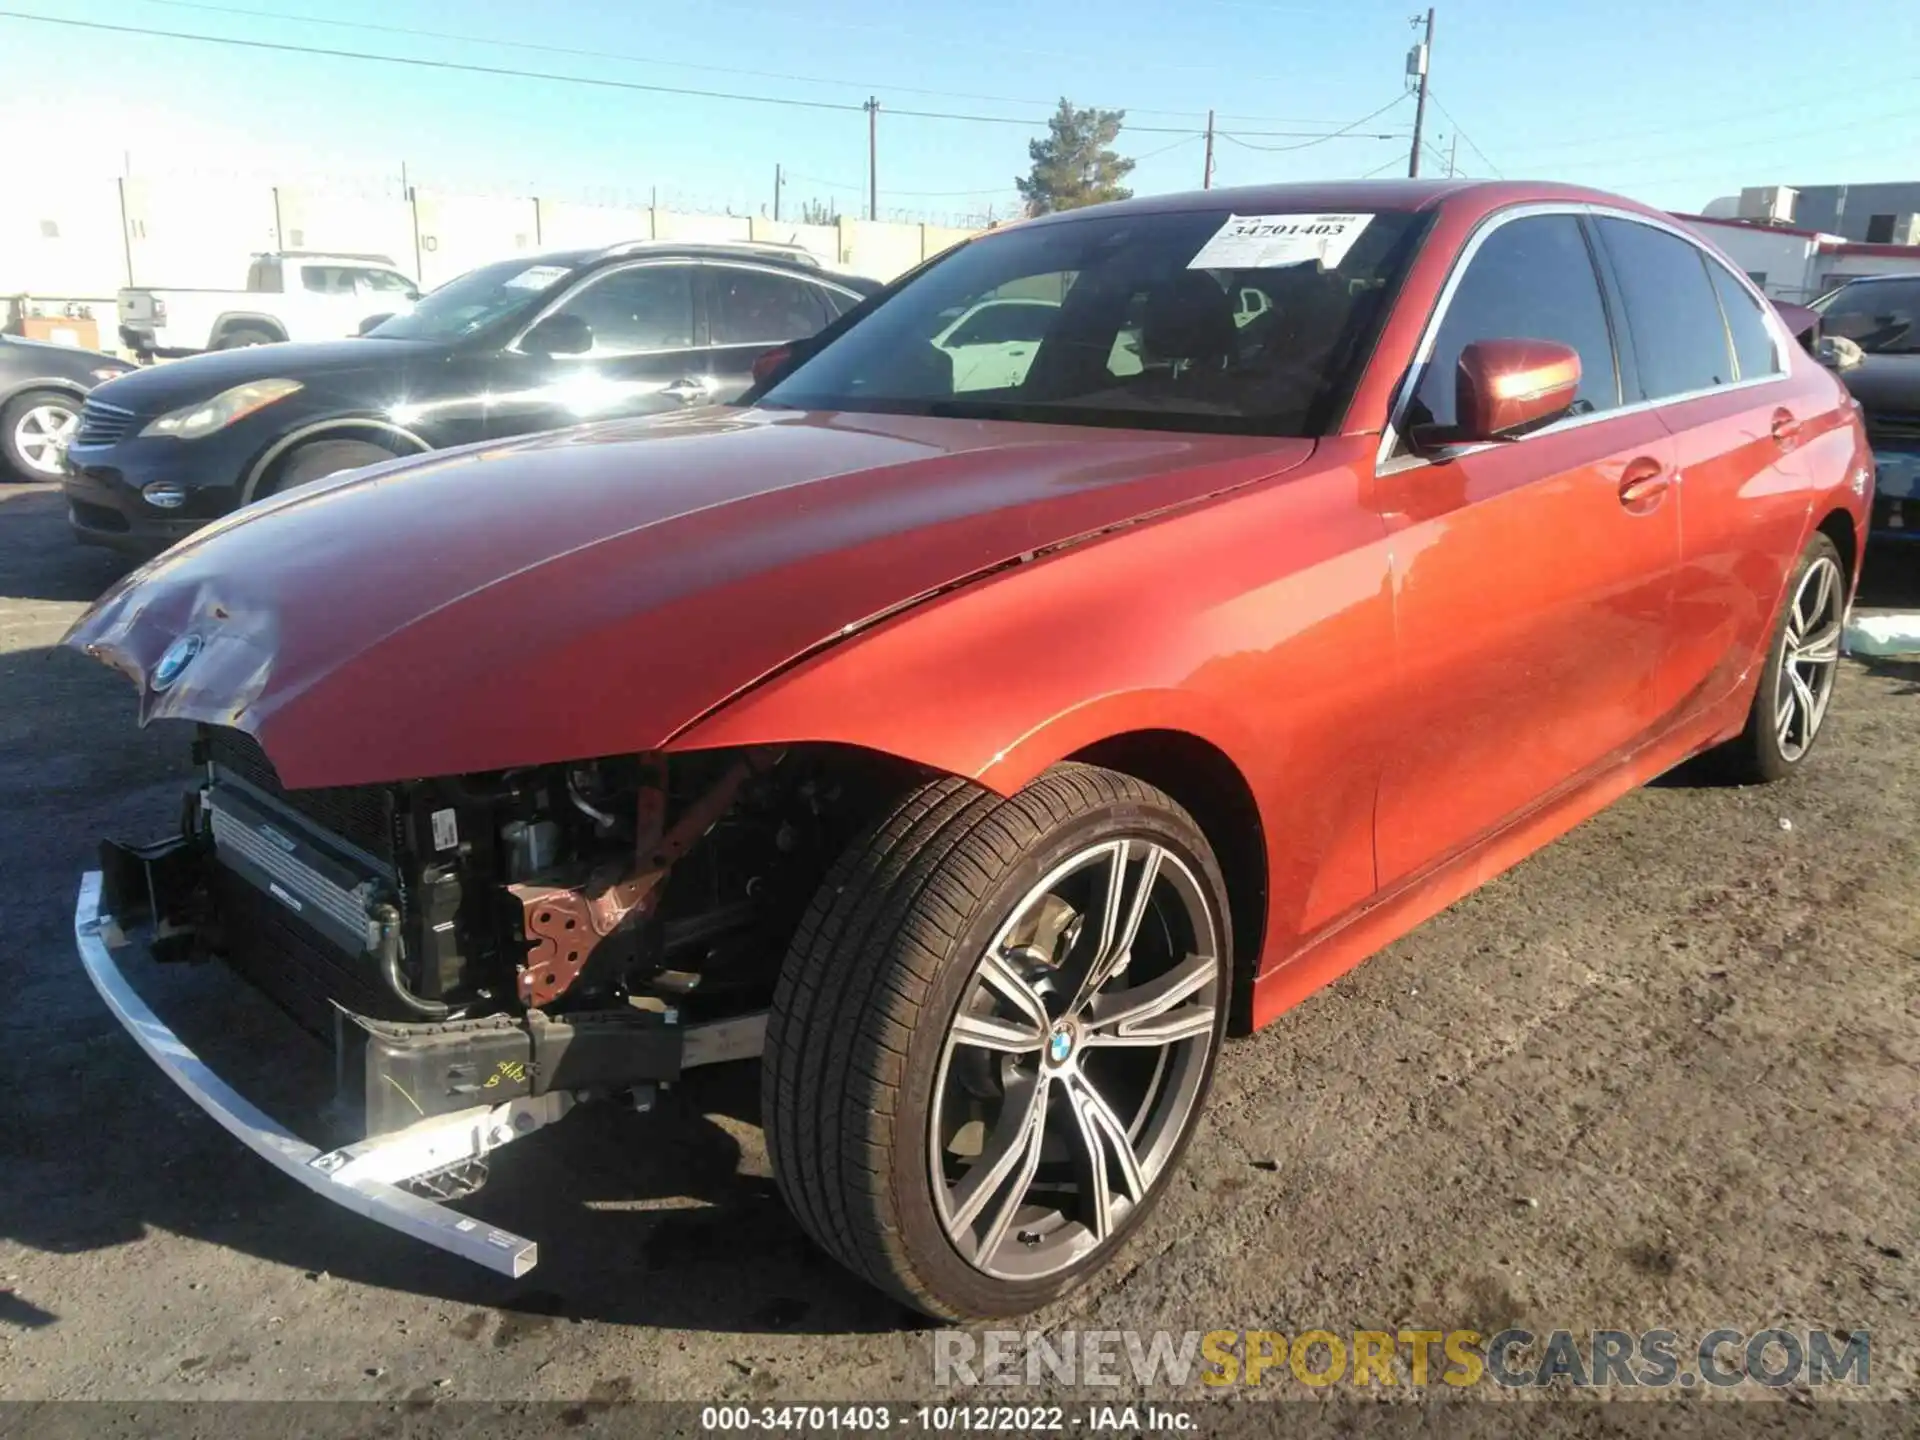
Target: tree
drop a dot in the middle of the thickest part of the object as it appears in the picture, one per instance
(1075, 165)
(819, 212)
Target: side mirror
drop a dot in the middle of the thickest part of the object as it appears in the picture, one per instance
(559, 334)
(373, 321)
(765, 363)
(1503, 388)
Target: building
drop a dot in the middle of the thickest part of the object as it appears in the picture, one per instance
(1797, 243)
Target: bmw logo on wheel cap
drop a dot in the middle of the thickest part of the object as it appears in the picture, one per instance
(1060, 1047)
(176, 659)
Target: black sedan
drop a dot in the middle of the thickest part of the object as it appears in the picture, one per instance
(41, 387)
(529, 344)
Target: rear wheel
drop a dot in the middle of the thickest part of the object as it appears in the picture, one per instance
(993, 1035)
(33, 426)
(1796, 687)
(320, 458)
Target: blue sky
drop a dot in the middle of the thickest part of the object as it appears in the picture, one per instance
(1672, 102)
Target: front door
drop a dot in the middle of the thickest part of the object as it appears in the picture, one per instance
(1532, 579)
(642, 354)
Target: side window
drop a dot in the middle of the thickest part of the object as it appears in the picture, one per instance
(1679, 337)
(1531, 279)
(838, 301)
(647, 307)
(326, 280)
(1753, 345)
(757, 307)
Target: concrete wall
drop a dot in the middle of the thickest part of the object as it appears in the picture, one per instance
(67, 241)
(458, 232)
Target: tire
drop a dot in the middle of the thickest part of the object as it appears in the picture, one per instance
(1786, 717)
(898, 1043)
(241, 336)
(319, 458)
(29, 424)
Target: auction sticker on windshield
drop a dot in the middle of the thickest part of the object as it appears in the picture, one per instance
(536, 277)
(1263, 242)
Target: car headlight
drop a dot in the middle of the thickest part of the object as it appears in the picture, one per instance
(203, 417)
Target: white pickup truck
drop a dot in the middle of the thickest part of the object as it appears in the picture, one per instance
(290, 295)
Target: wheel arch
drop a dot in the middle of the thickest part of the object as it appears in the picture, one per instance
(1838, 526)
(339, 427)
(15, 389)
(244, 319)
(1206, 782)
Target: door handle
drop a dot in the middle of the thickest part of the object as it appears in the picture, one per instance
(1785, 427)
(1643, 485)
(687, 391)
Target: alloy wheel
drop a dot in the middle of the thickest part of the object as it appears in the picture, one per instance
(1809, 658)
(39, 434)
(1074, 1061)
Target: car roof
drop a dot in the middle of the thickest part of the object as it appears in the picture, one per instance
(1325, 196)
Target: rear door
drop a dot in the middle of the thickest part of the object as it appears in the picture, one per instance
(644, 357)
(1713, 362)
(751, 309)
(1532, 579)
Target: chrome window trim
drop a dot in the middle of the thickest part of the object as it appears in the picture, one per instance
(729, 263)
(690, 263)
(1385, 462)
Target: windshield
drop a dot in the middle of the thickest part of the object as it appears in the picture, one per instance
(475, 300)
(1877, 315)
(1201, 320)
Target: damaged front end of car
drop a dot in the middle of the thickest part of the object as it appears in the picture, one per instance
(480, 952)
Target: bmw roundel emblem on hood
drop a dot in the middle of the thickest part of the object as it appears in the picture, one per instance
(177, 657)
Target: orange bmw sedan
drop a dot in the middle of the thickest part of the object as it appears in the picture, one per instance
(1089, 646)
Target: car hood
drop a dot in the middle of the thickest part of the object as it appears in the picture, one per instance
(158, 388)
(596, 590)
(48, 352)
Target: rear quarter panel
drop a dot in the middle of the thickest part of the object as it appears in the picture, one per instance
(1260, 623)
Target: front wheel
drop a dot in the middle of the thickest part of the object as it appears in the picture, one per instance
(318, 459)
(993, 1034)
(1796, 687)
(33, 427)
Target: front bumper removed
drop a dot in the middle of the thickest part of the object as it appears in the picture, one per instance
(367, 1176)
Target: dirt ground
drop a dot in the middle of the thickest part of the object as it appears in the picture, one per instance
(1664, 1074)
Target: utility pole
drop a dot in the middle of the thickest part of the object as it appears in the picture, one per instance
(1206, 175)
(873, 158)
(776, 192)
(1453, 154)
(1419, 61)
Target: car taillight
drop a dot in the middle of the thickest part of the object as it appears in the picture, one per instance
(159, 309)
(772, 360)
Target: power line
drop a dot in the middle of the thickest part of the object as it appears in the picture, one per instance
(624, 57)
(1464, 136)
(1344, 132)
(425, 64)
(598, 82)
(1744, 117)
